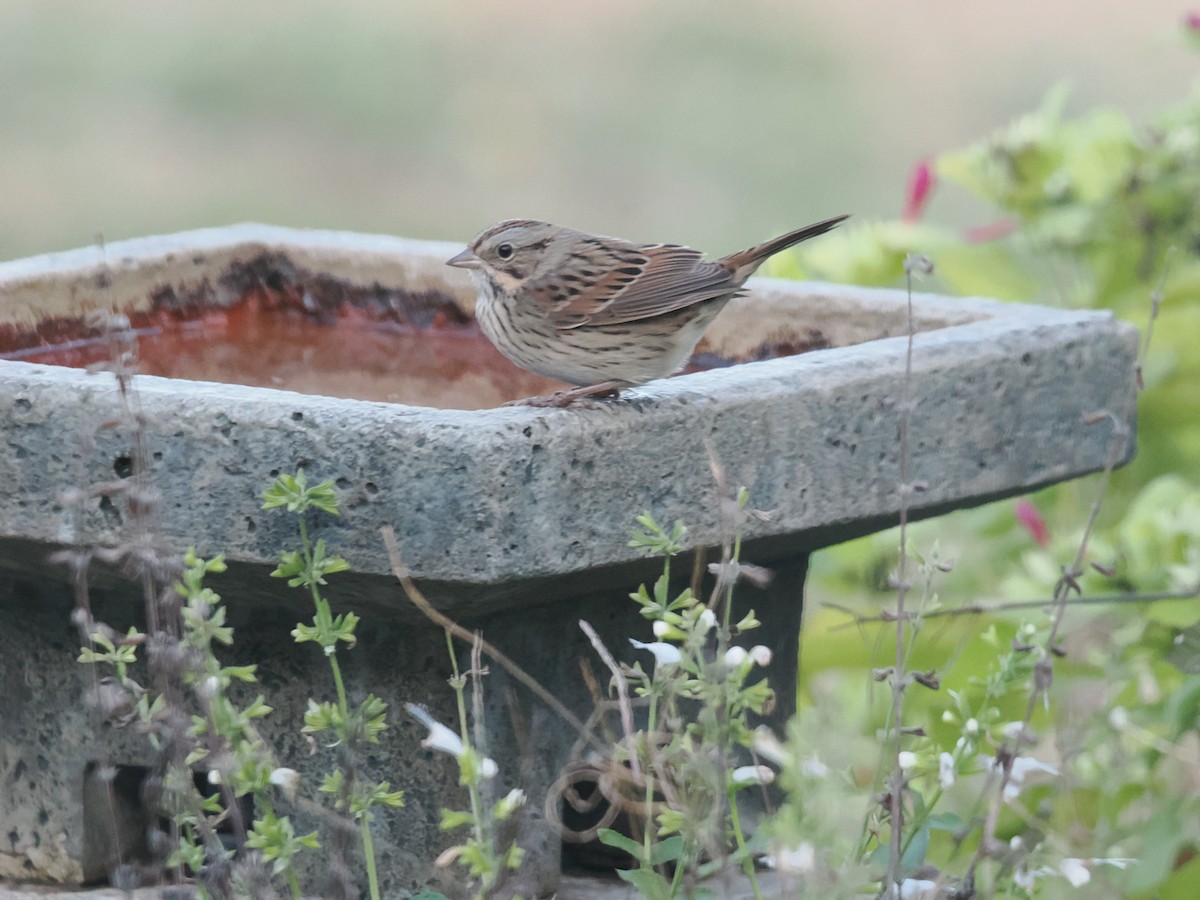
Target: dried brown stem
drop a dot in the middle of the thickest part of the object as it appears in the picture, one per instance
(979, 609)
(442, 621)
(622, 694)
(899, 682)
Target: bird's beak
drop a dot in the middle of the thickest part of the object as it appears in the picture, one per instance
(465, 260)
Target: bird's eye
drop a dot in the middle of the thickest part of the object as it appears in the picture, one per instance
(505, 251)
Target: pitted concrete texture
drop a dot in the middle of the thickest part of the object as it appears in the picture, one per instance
(506, 495)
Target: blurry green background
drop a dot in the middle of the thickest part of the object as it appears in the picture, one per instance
(713, 124)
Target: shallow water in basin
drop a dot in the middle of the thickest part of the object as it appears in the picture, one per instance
(421, 353)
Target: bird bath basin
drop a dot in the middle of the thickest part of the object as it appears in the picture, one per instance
(357, 357)
(265, 323)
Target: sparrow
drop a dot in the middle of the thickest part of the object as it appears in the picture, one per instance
(602, 313)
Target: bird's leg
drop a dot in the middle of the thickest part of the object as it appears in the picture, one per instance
(604, 389)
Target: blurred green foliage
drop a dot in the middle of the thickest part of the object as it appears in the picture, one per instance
(1094, 211)
(1089, 211)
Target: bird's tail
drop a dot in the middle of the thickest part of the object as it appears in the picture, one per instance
(744, 263)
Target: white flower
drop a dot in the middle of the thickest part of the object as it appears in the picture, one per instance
(1013, 730)
(761, 655)
(214, 776)
(814, 768)
(799, 860)
(735, 656)
(1022, 768)
(768, 746)
(946, 772)
(668, 631)
(440, 737)
(752, 775)
(1025, 879)
(971, 726)
(443, 739)
(285, 779)
(1075, 871)
(906, 759)
(509, 803)
(1118, 719)
(664, 654)
(918, 889)
(707, 620)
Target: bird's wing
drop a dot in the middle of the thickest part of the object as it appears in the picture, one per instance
(609, 282)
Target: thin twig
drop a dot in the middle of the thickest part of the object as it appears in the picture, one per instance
(979, 609)
(899, 681)
(479, 732)
(622, 695)
(442, 621)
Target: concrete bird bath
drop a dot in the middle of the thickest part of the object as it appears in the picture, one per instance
(513, 520)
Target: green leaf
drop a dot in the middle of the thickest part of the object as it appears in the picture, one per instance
(914, 856)
(1182, 711)
(293, 492)
(454, 818)
(324, 497)
(666, 851)
(241, 673)
(946, 822)
(371, 795)
(320, 716)
(189, 853)
(653, 540)
(986, 269)
(1162, 836)
(513, 856)
(257, 708)
(612, 838)
(651, 885)
(333, 783)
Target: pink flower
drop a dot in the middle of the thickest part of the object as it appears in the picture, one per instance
(1192, 22)
(921, 183)
(981, 234)
(1031, 517)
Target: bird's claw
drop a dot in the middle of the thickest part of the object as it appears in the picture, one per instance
(584, 397)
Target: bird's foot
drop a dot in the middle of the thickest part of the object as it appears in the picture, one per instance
(605, 390)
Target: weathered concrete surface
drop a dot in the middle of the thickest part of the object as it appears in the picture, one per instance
(515, 520)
